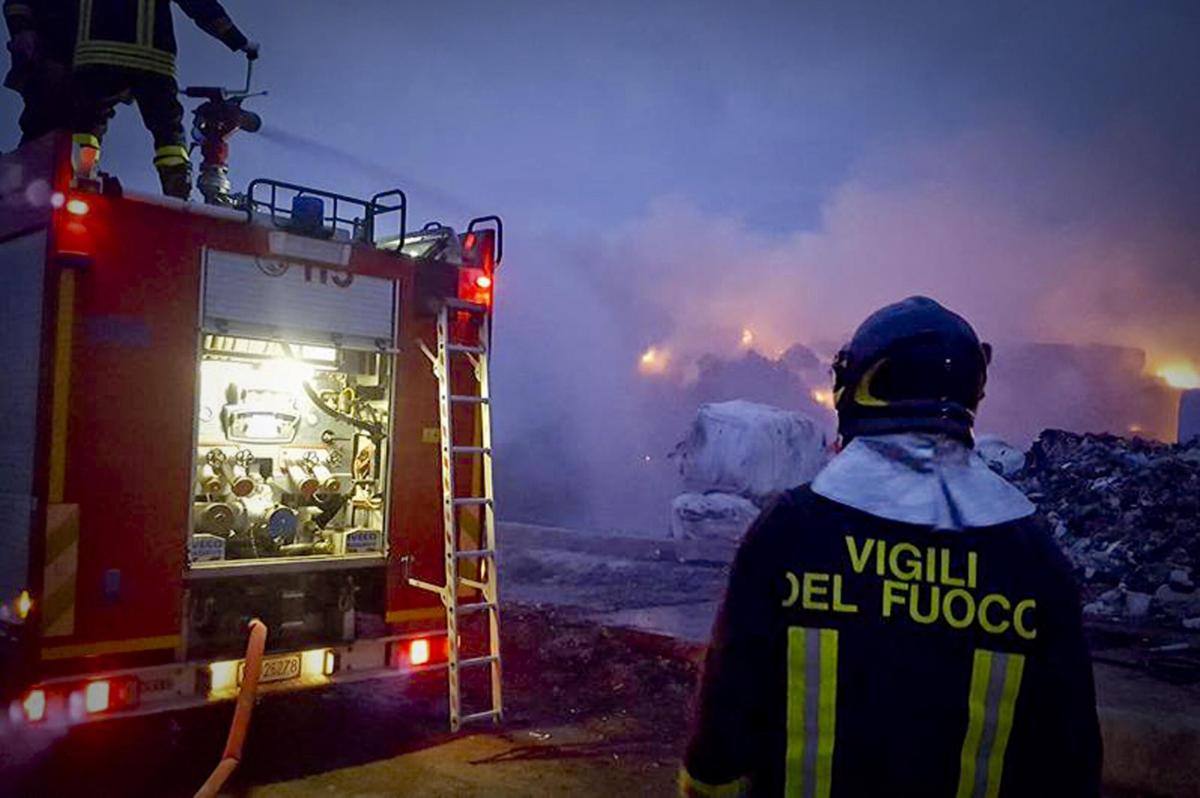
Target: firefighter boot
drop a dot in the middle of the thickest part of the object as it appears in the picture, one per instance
(85, 161)
(176, 180)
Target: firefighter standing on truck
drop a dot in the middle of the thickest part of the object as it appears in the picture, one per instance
(125, 49)
(41, 40)
(903, 625)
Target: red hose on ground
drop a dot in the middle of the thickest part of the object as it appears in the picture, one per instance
(241, 715)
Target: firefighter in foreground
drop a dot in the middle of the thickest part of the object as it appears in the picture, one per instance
(41, 40)
(904, 625)
(126, 50)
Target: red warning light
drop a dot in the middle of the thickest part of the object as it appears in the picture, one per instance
(34, 705)
(418, 652)
(483, 281)
(96, 696)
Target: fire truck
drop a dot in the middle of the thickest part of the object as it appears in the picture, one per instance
(274, 406)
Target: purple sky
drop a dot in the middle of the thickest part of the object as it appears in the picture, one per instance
(671, 172)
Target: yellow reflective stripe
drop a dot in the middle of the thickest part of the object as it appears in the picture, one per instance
(981, 670)
(690, 787)
(995, 684)
(61, 570)
(60, 401)
(110, 647)
(86, 140)
(420, 614)
(146, 22)
(811, 711)
(797, 671)
(827, 711)
(171, 155)
(91, 54)
(1014, 669)
(83, 32)
(16, 10)
(124, 48)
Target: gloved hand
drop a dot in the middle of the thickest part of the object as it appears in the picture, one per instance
(24, 46)
(251, 51)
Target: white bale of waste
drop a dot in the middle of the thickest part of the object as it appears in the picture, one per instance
(750, 450)
(1189, 416)
(1000, 455)
(711, 516)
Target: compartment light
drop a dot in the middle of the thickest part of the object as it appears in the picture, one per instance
(78, 207)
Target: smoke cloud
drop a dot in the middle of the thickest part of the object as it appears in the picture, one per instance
(1030, 237)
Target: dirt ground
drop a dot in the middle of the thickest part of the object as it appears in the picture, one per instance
(589, 711)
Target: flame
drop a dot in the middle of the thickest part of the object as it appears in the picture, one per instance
(823, 397)
(1179, 374)
(747, 337)
(653, 360)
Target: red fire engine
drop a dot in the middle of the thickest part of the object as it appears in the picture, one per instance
(278, 410)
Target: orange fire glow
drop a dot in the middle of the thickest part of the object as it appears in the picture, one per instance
(1179, 374)
(823, 397)
(747, 337)
(653, 361)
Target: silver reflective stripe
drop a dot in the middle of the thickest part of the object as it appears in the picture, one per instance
(812, 711)
(995, 684)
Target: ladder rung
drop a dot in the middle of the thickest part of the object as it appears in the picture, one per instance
(479, 606)
(470, 350)
(491, 713)
(470, 307)
(473, 553)
(486, 659)
(432, 588)
(471, 583)
(470, 450)
(468, 399)
(472, 501)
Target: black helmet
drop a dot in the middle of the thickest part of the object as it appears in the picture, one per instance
(912, 366)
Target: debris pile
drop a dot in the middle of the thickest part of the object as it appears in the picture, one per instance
(1127, 514)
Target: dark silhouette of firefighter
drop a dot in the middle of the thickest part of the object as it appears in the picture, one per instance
(125, 51)
(904, 625)
(41, 42)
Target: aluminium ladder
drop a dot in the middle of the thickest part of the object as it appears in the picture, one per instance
(485, 555)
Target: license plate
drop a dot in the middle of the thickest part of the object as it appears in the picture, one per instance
(276, 669)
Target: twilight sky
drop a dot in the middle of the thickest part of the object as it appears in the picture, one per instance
(673, 172)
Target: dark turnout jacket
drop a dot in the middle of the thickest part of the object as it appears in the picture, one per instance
(140, 34)
(857, 656)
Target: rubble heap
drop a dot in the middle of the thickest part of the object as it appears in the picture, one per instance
(1127, 513)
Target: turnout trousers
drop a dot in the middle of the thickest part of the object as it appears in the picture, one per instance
(98, 89)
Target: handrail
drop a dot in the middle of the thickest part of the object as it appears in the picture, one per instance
(232, 755)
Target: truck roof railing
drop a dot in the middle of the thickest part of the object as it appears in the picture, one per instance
(324, 214)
